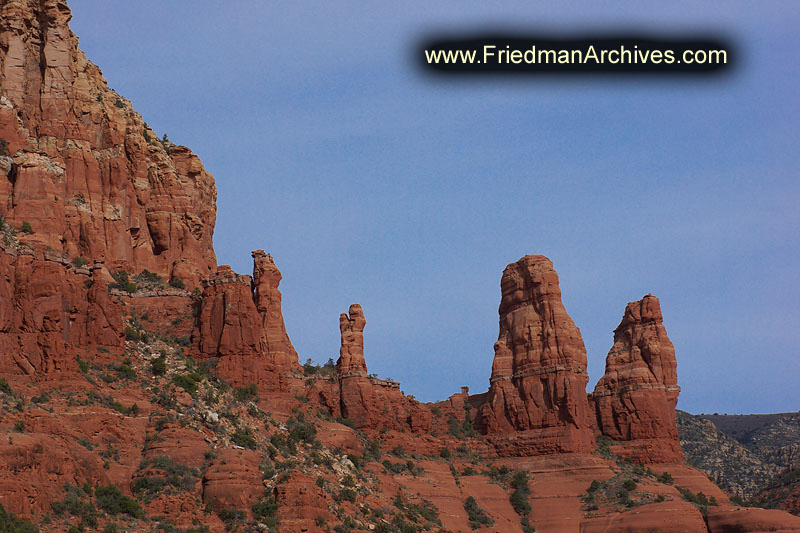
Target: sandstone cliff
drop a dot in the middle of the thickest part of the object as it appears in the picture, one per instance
(112, 418)
(82, 168)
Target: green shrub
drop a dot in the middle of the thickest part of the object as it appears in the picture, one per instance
(301, 431)
(151, 278)
(595, 486)
(188, 382)
(666, 478)
(122, 282)
(445, 453)
(26, 228)
(75, 503)
(111, 500)
(346, 421)
(243, 394)
(347, 495)
(244, 437)
(230, 515)
(477, 516)
(119, 103)
(629, 485)
(159, 366)
(19, 426)
(177, 283)
(5, 388)
(265, 509)
(519, 497)
(79, 262)
(3, 147)
(132, 334)
(124, 371)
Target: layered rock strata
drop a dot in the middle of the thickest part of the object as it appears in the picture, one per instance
(48, 309)
(80, 166)
(537, 397)
(635, 399)
(240, 324)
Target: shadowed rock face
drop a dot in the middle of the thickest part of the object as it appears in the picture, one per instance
(635, 399)
(83, 168)
(538, 383)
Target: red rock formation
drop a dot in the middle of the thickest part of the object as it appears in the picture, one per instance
(300, 503)
(537, 396)
(267, 298)
(233, 480)
(228, 323)
(355, 388)
(83, 169)
(369, 402)
(240, 324)
(49, 308)
(635, 399)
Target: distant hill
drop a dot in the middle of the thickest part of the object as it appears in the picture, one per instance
(755, 457)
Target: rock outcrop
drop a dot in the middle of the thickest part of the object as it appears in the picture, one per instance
(239, 323)
(537, 397)
(355, 388)
(636, 397)
(82, 168)
(267, 299)
(369, 402)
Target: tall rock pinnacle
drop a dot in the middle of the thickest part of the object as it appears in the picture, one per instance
(538, 383)
(635, 399)
(355, 388)
(267, 299)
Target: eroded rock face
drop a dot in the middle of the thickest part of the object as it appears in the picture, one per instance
(240, 324)
(233, 480)
(636, 397)
(538, 384)
(300, 503)
(48, 309)
(83, 168)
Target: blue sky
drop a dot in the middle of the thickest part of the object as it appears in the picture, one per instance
(370, 182)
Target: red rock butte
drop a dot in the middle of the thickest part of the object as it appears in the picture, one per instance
(537, 396)
(636, 397)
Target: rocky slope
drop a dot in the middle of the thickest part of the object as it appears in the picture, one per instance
(724, 459)
(143, 388)
(751, 456)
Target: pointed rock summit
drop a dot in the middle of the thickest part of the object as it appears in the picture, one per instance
(537, 395)
(636, 397)
(351, 354)
(267, 299)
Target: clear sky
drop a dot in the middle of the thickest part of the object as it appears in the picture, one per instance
(372, 183)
